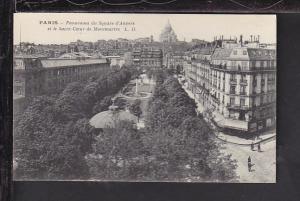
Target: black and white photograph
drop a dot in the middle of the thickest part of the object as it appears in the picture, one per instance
(144, 97)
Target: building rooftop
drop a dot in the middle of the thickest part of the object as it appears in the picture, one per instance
(52, 63)
(27, 56)
(204, 51)
(252, 53)
(261, 54)
(221, 53)
(74, 55)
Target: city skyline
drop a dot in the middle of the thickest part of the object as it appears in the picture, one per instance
(200, 26)
(138, 110)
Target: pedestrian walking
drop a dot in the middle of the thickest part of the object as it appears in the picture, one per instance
(258, 147)
(249, 164)
(252, 146)
(258, 136)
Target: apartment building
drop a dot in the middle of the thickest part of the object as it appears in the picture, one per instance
(237, 84)
(147, 58)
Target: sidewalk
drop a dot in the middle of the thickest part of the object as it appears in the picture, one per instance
(240, 141)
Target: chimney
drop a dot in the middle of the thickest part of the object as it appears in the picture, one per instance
(258, 38)
(251, 38)
(222, 37)
(241, 39)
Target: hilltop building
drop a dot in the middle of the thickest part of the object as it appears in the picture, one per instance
(168, 35)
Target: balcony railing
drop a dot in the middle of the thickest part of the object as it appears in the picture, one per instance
(242, 69)
(243, 82)
(238, 107)
(232, 81)
(271, 81)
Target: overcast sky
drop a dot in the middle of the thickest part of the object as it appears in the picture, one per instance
(28, 27)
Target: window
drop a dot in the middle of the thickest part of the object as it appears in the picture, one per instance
(270, 98)
(232, 100)
(243, 90)
(242, 102)
(244, 52)
(235, 52)
(258, 64)
(262, 82)
(272, 64)
(231, 114)
(233, 63)
(232, 89)
(254, 82)
(243, 77)
(244, 64)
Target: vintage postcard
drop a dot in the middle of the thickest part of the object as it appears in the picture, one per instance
(144, 97)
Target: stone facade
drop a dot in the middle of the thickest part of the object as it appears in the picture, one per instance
(147, 58)
(238, 85)
(38, 76)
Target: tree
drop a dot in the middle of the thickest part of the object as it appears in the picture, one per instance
(102, 105)
(135, 108)
(160, 93)
(70, 104)
(65, 153)
(89, 96)
(56, 152)
(120, 102)
(32, 136)
(181, 143)
(53, 136)
(119, 152)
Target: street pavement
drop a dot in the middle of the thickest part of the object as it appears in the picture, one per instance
(264, 169)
